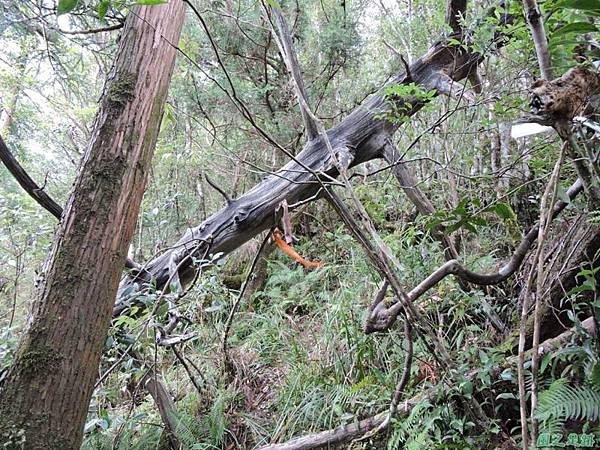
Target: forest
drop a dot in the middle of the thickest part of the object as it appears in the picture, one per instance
(299, 224)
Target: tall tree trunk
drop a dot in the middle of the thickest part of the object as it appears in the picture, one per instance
(47, 391)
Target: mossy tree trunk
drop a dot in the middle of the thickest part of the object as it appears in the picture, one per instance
(44, 402)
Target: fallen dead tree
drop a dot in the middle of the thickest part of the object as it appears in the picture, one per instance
(360, 137)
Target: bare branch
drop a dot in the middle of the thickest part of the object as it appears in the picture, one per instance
(189, 371)
(381, 318)
(536, 272)
(283, 39)
(217, 188)
(342, 433)
(402, 383)
(27, 183)
(176, 340)
(166, 408)
(94, 30)
(534, 19)
(36, 192)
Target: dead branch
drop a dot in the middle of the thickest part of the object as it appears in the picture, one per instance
(217, 188)
(283, 39)
(536, 273)
(114, 27)
(191, 376)
(534, 19)
(166, 408)
(35, 192)
(400, 387)
(381, 318)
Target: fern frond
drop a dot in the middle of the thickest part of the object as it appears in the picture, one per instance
(561, 401)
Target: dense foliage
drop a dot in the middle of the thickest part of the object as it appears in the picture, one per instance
(301, 360)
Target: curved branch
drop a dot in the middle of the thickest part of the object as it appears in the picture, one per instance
(217, 188)
(381, 318)
(35, 192)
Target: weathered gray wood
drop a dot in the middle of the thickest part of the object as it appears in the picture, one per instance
(286, 48)
(365, 133)
(166, 407)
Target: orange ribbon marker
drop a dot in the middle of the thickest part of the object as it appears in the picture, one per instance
(288, 250)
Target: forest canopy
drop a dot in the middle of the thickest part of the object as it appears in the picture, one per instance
(268, 224)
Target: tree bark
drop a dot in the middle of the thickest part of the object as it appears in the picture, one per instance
(47, 391)
(578, 248)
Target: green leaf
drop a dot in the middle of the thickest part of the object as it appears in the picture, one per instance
(151, 2)
(595, 378)
(506, 396)
(563, 402)
(479, 221)
(123, 320)
(103, 8)
(576, 27)
(274, 4)
(467, 388)
(470, 227)
(65, 6)
(504, 211)
(545, 362)
(584, 5)
(562, 41)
